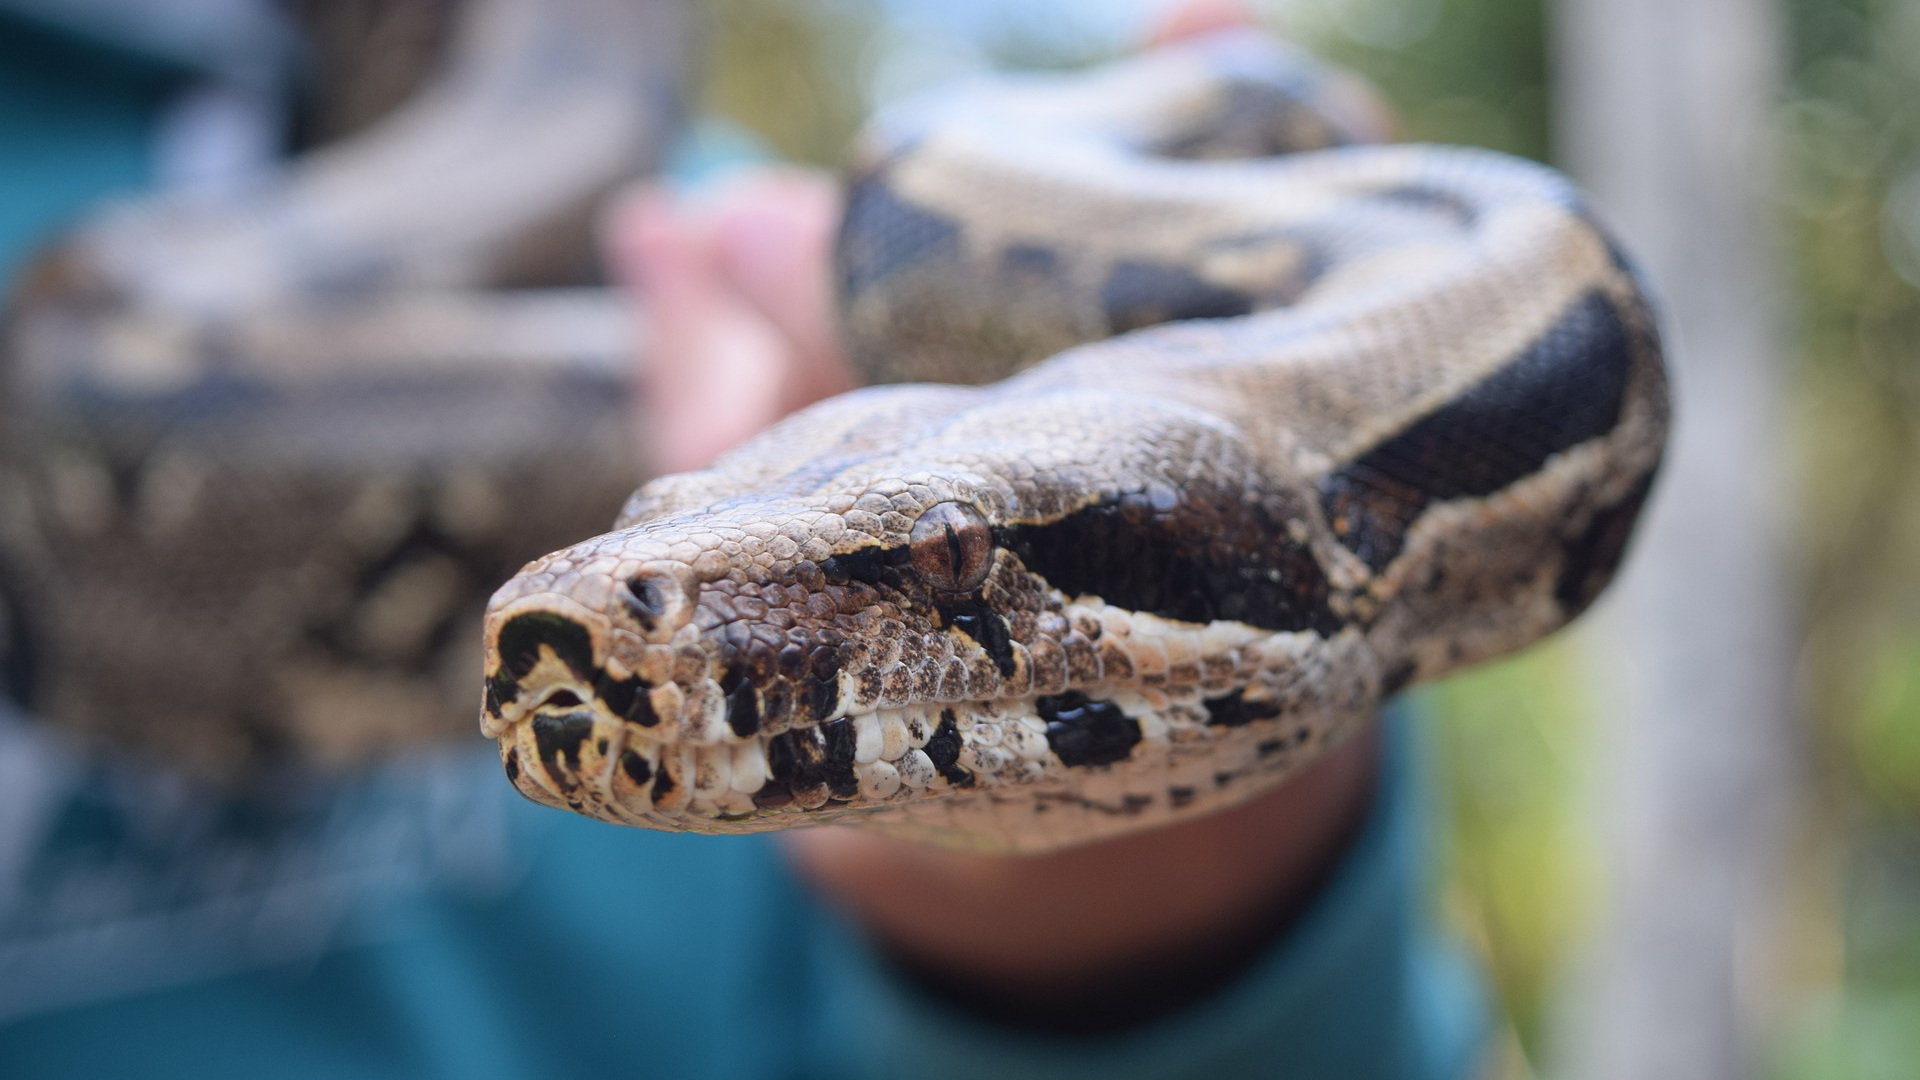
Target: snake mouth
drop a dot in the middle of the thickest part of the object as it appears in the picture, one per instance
(558, 699)
(1169, 719)
(573, 732)
(999, 776)
(570, 752)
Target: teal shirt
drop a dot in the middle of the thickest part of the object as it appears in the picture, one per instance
(615, 952)
(421, 921)
(75, 123)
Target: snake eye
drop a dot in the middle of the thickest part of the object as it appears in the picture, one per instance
(951, 547)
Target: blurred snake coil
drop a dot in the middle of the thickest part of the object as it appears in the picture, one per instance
(1218, 422)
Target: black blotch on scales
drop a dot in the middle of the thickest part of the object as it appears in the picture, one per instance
(626, 698)
(1251, 119)
(869, 566)
(1564, 389)
(743, 710)
(797, 759)
(1085, 732)
(882, 235)
(836, 767)
(943, 749)
(558, 739)
(822, 696)
(501, 688)
(521, 638)
(1234, 710)
(1145, 294)
(1029, 260)
(1212, 554)
(988, 630)
(1594, 555)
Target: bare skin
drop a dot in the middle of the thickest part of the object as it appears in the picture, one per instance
(738, 291)
(1124, 930)
(736, 287)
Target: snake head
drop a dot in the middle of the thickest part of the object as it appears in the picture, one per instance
(960, 644)
(736, 667)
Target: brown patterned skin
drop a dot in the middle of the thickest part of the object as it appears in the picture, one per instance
(1402, 417)
(267, 447)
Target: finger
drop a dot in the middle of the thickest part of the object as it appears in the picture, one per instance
(1089, 906)
(775, 236)
(695, 411)
(715, 366)
(1197, 17)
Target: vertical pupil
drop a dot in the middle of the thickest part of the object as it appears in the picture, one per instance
(954, 557)
(949, 546)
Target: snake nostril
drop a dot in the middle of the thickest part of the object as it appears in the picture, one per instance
(660, 597)
(647, 597)
(562, 699)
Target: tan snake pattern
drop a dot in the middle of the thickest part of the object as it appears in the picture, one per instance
(1284, 424)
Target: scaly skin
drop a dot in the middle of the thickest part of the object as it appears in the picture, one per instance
(1150, 576)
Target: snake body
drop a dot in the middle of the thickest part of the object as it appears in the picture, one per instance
(1287, 423)
(267, 447)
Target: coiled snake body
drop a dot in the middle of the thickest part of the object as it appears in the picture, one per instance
(1319, 421)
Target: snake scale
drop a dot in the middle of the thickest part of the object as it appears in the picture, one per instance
(1284, 422)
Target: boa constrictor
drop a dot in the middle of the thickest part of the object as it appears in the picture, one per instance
(1285, 423)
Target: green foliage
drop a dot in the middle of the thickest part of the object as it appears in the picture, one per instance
(1855, 1036)
(1867, 1025)
(1886, 732)
(1472, 72)
(791, 71)
(1850, 194)
(1513, 743)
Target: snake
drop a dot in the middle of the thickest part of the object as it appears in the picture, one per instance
(267, 446)
(1204, 420)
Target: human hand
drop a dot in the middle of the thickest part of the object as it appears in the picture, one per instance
(738, 292)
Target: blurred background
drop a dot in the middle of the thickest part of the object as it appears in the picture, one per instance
(1535, 762)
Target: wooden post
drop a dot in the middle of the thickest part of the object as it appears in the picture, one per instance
(1663, 107)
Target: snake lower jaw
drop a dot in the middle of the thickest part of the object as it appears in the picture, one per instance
(1025, 774)
(571, 752)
